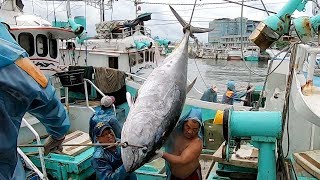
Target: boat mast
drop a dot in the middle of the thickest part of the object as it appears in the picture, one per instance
(102, 18)
(136, 3)
(68, 9)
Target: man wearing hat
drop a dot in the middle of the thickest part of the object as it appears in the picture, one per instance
(232, 94)
(210, 94)
(105, 114)
(107, 162)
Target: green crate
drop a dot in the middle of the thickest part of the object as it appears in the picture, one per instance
(213, 136)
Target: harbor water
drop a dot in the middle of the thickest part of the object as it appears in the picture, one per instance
(219, 72)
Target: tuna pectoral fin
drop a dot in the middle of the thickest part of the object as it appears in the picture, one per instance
(129, 99)
(185, 24)
(189, 87)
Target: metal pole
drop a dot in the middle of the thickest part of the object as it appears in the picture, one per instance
(135, 4)
(84, 144)
(80, 144)
(68, 9)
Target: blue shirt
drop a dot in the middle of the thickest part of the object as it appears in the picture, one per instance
(108, 165)
(229, 97)
(20, 93)
(209, 95)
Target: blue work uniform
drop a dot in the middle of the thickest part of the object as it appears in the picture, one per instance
(231, 94)
(108, 165)
(104, 115)
(21, 93)
(209, 95)
(229, 97)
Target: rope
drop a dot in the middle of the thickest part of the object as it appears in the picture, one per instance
(280, 161)
(200, 74)
(268, 73)
(108, 145)
(264, 6)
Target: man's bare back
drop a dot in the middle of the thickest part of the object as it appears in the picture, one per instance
(184, 145)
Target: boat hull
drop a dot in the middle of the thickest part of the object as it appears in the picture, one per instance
(251, 58)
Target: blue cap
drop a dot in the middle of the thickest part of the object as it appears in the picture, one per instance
(231, 85)
(100, 127)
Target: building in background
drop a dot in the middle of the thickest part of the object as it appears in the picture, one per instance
(227, 32)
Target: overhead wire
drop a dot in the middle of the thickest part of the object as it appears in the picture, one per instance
(196, 42)
(216, 7)
(242, 4)
(182, 4)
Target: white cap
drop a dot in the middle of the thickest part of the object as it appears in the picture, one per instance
(214, 87)
(107, 101)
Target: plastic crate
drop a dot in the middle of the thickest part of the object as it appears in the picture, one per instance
(71, 78)
(213, 137)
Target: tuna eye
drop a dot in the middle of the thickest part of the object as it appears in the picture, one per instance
(145, 149)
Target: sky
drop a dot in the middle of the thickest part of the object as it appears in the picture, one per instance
(163, 23)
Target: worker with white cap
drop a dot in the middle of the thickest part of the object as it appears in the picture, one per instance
(105, 114)
(210, 94)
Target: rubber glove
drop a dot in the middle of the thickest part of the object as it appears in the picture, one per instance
(51, 144)
(159, 154)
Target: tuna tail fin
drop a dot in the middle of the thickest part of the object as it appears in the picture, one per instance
(185, 24)
(190, 86)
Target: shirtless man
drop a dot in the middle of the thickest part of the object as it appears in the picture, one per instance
(186, 146)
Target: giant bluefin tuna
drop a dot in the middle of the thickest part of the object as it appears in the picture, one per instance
(159, 104)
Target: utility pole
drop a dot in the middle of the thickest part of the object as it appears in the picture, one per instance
(102, 11)
(136, 3)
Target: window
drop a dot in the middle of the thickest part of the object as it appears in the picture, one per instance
(132, 59)
(140, 58)
(26, 41)
(42, 45)
(152, 56)
(147, 57)
(113, 62)
(53, 46)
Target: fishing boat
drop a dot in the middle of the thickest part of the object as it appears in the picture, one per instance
(41, 42)
(126, 46)
(234, 54)
(75, 162)
(251, 53)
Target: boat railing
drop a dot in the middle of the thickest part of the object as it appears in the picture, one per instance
(136, 76)
(85, 81)
(126, 32)
(306, 56)
(43, 174)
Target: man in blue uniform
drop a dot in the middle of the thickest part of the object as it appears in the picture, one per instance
(24, 89)
(105, 114)
(210, 94)
(232, 94)
(107, 162)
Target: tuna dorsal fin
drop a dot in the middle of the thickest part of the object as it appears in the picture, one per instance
(189, 87)
(129, 99)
